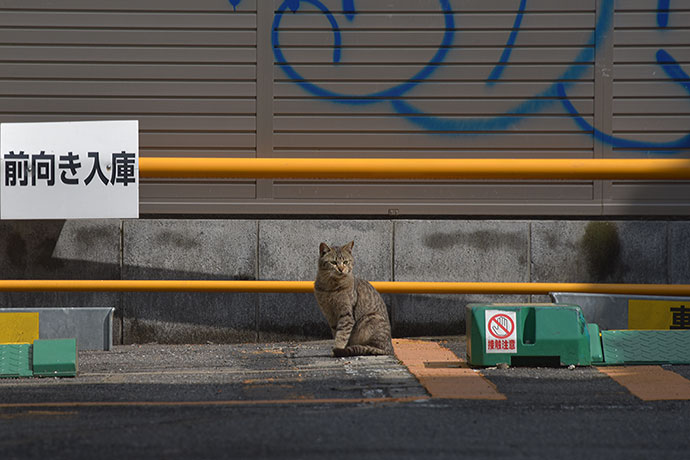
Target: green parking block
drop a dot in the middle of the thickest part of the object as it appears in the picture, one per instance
(646, 347)
(55, 358)
(527, 334)
(596, 350)
(15, 361)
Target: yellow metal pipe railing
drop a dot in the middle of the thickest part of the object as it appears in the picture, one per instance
(416, 168)
(378, 168)
(391, 287)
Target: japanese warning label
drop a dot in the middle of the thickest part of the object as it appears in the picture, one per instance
(501, 334)
(69, 170)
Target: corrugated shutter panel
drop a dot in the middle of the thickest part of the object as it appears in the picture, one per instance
(425, 93)
(651, 108)
(186, 70)
(343, 78)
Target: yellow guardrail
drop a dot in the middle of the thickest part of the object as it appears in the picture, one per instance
(391, 287)
(416, 168)
(380, 168)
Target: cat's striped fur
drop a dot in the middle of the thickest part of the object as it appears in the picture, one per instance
(354, 310)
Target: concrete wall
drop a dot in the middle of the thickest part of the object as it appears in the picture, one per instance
(400, 250)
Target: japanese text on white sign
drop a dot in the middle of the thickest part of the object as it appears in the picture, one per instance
(501, 331)
(69, 170)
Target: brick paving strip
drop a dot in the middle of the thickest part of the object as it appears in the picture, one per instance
(442, 373)
(650, 383)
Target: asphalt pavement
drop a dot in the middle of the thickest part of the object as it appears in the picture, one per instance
(294, 400)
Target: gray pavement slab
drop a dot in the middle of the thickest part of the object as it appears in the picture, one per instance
(243, 372)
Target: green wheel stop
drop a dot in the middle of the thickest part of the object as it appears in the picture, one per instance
(15, 360)
(45, 358)
(646, 347)
(527, 334)
(595, 347)
(55, 358)
(557, 335)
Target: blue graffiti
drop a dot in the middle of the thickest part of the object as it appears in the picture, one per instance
(435, 124)
(394, 92)
(234, 4)
(349, 9)
(674, 71)
(497, 71)
(337, 39)
(555, 93)
(514, 115)
(662, 13)
(671, 68)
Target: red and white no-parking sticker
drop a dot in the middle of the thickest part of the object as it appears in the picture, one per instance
(501, 331)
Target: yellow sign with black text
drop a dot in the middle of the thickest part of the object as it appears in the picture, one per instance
(658, 314)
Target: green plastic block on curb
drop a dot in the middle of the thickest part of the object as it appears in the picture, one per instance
(527, 334)
(596, 351)
(55, 358)
(646, 347)
(15, 361)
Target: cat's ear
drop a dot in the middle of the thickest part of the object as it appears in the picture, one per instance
(348, 247)
(323, 249)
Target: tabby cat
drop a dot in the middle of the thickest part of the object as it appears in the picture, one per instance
(353, 308)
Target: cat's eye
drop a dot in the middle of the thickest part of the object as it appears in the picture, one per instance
(333, 262)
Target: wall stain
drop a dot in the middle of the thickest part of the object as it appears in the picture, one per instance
(482, 239)
(44, 254)
(16, 251)
(96, 235)
(601, 246)
(168, 238)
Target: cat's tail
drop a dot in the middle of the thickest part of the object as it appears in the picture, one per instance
(355, 350)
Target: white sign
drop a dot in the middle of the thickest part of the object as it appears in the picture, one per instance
(69, 170)
(501, 331)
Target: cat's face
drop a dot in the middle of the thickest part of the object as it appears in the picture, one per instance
(337, 261)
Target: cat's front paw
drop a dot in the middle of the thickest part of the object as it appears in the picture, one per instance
(339, 352)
